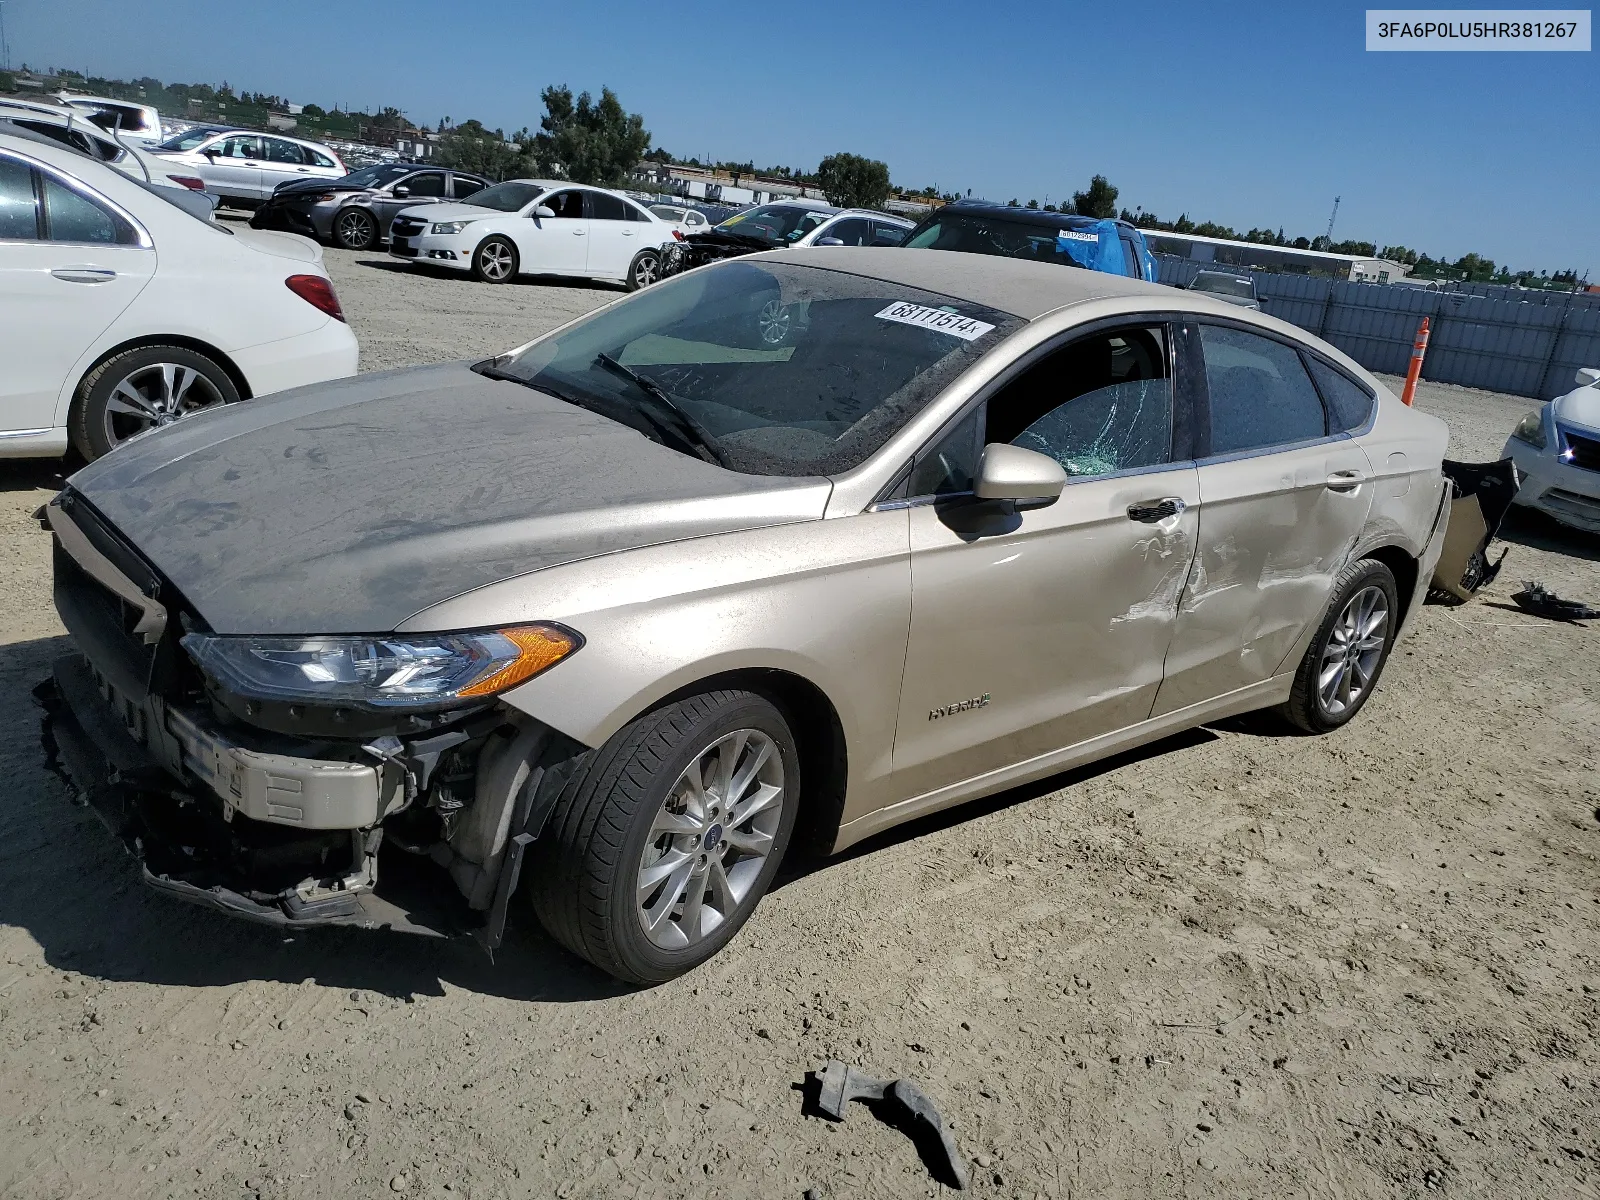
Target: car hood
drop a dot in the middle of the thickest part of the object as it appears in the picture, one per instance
(348, 507)
(312, 187)
(1581, 406)
(456, 212)
(280, 245)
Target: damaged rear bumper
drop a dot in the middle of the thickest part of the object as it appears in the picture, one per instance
(203, 842)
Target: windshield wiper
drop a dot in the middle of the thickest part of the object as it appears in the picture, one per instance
(687, 428)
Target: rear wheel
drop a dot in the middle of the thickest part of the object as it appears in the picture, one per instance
(355, 229)
(1342, 665)
(144, 389)
(662, 845)
(646, 269)
(495, 260)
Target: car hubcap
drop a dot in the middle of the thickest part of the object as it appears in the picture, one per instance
(156, 395)
(774, 322)
(645, 273)
(710, 840)
(496, 260)
(1354, 647)
(353, 227)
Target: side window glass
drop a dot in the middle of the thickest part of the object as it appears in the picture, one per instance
(429, 184)
(947, 469)
(1349, 404)
(1130, 254)
(239, 147)
(567, 205)
(634, 213)
(607, 208)
(280, 151)
(70, 217)
(852, 231)
(1260, 393)
(694, 218)
(19, 209)
(466, 185)
(319, 159)
(1099, 405)
(888, 235)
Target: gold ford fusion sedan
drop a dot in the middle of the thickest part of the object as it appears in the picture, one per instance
(800, 544)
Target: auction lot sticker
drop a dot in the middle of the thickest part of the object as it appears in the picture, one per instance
(1477, 29)
(941, 319)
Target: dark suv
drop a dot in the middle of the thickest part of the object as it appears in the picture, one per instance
(979, 227)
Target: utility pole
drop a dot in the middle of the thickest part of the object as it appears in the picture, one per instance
(5, 46)
(1331, 216)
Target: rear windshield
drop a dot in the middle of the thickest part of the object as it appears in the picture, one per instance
(775, 223)
(1225, 285)
(507, 197)
(790, 370)
(983, 233)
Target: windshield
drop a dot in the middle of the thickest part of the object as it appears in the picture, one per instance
(791, 370)
(1226, 285)
(507, 197)
(376, 176)
(775, 222)
(188, 139)
(983, 233)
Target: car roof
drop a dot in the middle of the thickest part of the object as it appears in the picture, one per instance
(1012, 285)
(873, 212)
(1029, 216)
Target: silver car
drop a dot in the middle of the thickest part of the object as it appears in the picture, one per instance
(797, 546)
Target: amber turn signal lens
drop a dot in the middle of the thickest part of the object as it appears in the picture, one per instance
(538, 647)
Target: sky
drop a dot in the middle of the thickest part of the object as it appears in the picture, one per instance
(1244, 114)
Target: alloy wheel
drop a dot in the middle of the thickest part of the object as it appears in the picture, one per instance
(154, 395)
(494, 260)
(1354, 650)
(355, 229)
(645, 271)
(774, 322)
(711, 838)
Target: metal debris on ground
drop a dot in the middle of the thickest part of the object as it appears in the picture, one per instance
(839, 1084)
(1534, 598)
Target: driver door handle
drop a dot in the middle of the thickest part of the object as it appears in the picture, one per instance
(577, 233)
(1345, 481)
(84, 274)
(1151, 511)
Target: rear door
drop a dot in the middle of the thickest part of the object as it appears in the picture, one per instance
(614, 238)
(557, 245)
(281, 161)
(69, 265)
(233, 166)
(1282, 502)
(1037, 628)
(425, 187)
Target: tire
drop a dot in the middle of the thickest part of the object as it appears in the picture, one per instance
(354, 229)
(644, 270)
(1342, 665)
(630, 811)
(139, 390)
(495, 260)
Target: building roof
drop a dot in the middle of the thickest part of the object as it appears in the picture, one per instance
(1013, 285)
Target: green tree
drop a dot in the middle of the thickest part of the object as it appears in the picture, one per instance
(314, 110)
(1474, 268)
(851, 181)
(1099, 201)
(587, 141)
(471, 147)
(1033, 204)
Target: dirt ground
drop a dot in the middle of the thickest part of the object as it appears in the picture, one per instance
(1235, 964)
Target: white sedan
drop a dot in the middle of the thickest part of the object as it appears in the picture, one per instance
(1557, 451)
(537, 227)
(120, 310)
(245, 167)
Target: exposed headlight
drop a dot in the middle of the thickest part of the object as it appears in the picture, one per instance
(448, 226)
(422, 671)
(1531, 429)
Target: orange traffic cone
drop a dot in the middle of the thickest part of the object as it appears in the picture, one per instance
(1418, 349)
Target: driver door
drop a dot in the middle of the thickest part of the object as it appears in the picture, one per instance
(1036, 628)
(557, 245)
(233, 166)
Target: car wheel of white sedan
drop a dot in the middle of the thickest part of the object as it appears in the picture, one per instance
(667, 837)
(495, 260)
(355, 229)
(144, 389)
(1342, 665)
(646, 269)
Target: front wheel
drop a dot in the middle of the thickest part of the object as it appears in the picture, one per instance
(646, 269)
(143, 389)
(355, 229)
(1342, 665)
(495, 260)
(664, 842)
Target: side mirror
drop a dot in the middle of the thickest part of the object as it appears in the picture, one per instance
(210, 152)
(828, 241)
(400, 193)
(1012, 473)
(1588, 376)
(544, 210)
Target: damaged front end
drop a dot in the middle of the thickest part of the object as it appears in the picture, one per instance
(283, 813)
(698, 249)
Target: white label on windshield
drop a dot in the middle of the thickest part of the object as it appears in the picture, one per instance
(940, 319)
(1072, 235)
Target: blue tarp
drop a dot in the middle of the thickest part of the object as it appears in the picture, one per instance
(1097, 247)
